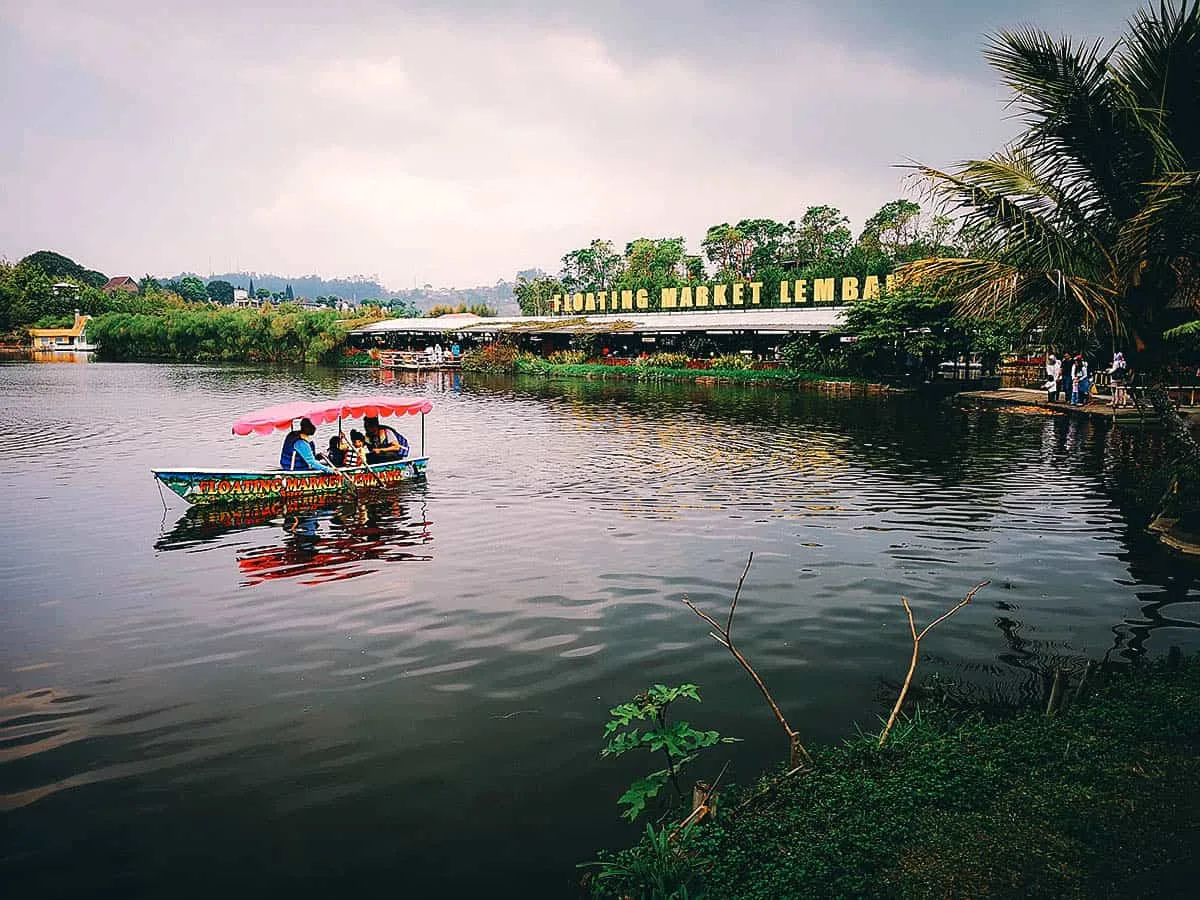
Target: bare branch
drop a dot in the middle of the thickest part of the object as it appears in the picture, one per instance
(912, 626)
(961, 603)
(705, 616)
(916, 652)
(737, 593)
(796, 750)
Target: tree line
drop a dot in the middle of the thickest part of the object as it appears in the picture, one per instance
(820, 244)
(277, 335)
(177, 319)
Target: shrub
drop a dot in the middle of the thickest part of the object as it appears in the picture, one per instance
(808, 355)
(568, 357)
(497, 358)
(734, 361)
(665, 361)
(352, 357)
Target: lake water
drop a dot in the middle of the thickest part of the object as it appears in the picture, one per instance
(407, 694)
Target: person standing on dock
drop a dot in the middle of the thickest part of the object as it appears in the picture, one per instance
(1053, 374)
(1064, 376)
(1117, 372)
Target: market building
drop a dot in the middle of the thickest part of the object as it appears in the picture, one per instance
(759, 332)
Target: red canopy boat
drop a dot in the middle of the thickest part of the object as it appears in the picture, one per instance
(205, 486)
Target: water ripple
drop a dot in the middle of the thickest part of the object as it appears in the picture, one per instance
(432, 668)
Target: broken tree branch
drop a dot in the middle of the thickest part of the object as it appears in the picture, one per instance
(916, 651)
(796, 751)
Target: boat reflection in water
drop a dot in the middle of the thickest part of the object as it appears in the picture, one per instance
(316, 540)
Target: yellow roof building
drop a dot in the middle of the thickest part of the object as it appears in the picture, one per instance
(73, 338)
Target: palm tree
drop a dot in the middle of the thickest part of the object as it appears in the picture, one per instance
(1091, 218)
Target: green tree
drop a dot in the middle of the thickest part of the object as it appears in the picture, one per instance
(1091, 218)
(821, 236)
(55, 266)
(220, 292)
(741, 251)
(893, 229)
(192, 289)
(533, 294)
(910, 329)
(728, 248)
(694, 267)
(262, 293)
(653, 263)
(288, 295)
(593, 268)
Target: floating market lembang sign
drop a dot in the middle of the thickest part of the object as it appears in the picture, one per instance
(735, 295)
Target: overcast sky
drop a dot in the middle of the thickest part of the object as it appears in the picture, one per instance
(456, 142)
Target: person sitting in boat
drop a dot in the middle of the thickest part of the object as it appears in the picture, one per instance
(297, 454)
(384, 443)
(339, 449)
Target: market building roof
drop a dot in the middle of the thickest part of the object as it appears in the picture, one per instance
(817, 319)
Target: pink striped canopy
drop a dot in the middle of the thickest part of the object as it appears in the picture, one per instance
(281, 417)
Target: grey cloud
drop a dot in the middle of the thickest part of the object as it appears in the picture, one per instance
(458, 143)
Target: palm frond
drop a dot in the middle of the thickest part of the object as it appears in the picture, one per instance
(1158, 67)
(1012, 174)
(1076, 121)
(986, 288)
(1165, 234)
(989, 195)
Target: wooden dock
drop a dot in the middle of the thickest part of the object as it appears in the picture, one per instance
(417, 361)
(1034, 399)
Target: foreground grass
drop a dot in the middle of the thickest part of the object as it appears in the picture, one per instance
(1101, 801)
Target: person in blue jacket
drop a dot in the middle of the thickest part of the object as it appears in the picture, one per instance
(297, 454)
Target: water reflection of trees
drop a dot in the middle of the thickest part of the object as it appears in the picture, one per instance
(314, 540)
(1003, 457)
(910, 436)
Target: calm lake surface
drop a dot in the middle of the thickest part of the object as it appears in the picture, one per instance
(407, 695)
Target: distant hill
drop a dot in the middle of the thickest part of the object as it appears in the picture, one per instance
(303, 286)
(499, 296)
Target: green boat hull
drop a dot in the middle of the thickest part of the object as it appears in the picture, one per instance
(204, 487)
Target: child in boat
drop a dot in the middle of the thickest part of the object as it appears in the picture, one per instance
(357, 454)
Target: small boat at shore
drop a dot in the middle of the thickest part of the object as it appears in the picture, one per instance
(212, 485)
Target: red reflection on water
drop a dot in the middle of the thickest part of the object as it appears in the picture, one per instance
(315, 541)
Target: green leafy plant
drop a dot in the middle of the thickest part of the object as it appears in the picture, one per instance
(661, 867)
(643, 723)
